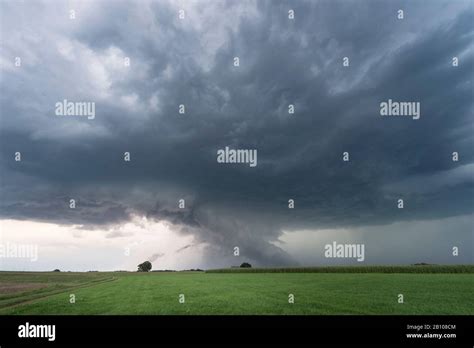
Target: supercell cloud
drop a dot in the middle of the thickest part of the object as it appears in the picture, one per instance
(188, 64)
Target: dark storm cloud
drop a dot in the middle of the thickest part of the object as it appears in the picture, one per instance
(282, 62)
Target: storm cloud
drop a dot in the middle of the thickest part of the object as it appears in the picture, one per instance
(282, 61)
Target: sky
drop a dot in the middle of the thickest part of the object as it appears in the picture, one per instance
(142, 62)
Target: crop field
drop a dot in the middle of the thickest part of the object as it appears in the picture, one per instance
(347, 290)
(355, 269)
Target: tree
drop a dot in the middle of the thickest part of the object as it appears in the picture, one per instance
(245, 265)
(144, 267)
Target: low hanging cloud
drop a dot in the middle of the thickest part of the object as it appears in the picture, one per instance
(184, 248)
(155, 257)
(190, 62)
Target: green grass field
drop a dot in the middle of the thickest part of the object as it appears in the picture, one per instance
(236, 292)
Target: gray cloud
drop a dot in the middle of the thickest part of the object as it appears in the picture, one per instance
(184, 248)
(190, 62)
(155, 257)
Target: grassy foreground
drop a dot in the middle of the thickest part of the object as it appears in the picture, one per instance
(232, 293)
